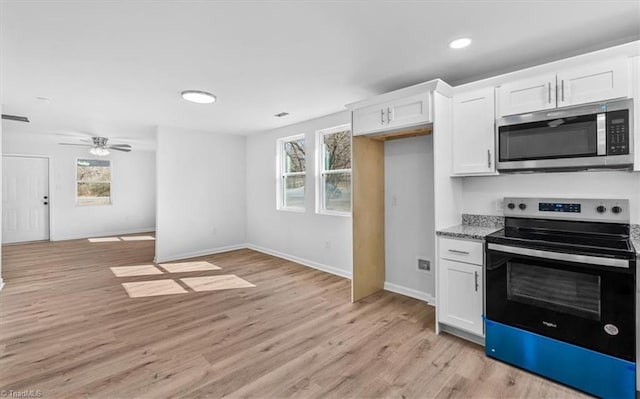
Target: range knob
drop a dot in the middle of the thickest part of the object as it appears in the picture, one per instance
(522, 206)
(601, 209)
(511, 205)
(616, 209)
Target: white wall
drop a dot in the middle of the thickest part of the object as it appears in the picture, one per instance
(132, 189)
(409, 216)
(481, 194)
(321, 241)
(1, 139)
(201, 193)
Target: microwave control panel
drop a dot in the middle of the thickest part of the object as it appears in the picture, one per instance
(618, 132)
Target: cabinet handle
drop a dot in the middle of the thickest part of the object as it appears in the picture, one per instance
(549, 92)
(562, 89)
(457, 251)
(476, 277)
(382, 116)
(389, 115)
(489, 158)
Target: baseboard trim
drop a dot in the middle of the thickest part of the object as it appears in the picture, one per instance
(410, 292)
(102, 234)
(302, 261)
(195, 254)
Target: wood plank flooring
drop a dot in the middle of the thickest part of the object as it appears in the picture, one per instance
(69, 329)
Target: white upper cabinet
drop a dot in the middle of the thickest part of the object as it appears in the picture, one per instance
(370, 119)
(580, 85)
(527, 95)
(410, 111)
(401, 113)
(591, 83)
(473, 150)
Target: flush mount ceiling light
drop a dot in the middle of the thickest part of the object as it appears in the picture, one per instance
(460, 43)
(197, 96)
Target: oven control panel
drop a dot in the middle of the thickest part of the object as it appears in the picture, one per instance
(598, 210)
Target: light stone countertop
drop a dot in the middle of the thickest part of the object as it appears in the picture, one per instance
(468, 232)
(635, 238)
(475, 227)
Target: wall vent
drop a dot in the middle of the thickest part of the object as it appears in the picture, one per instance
(15, 118)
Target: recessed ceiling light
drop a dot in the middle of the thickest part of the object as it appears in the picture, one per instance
(197, 96)
(460, 43)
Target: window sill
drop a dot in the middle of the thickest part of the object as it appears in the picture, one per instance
(335, 213)
(294, 210)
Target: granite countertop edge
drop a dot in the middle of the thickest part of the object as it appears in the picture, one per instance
(635, 238)
(467, 231)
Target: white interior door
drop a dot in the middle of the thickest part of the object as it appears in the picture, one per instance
(25, 199)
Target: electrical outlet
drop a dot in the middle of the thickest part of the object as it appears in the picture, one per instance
(500, 205)
(327, 244)
(394, 201)
(424, 264)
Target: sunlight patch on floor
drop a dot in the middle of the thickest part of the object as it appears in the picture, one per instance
(104, 239)
(182, 267)
(138, 238)
(215, 283)
(129, 271)
(153, 288)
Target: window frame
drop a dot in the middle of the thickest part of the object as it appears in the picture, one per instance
(321, 172)
(281, 174)
(75, 170)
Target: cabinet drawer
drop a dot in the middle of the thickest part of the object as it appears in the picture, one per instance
(462, 250)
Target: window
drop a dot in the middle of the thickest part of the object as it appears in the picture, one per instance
(292, 171)
(334, 177)
(93, 177)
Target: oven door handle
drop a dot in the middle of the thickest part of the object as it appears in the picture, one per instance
(537, 253)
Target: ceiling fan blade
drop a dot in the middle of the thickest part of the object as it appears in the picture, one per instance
(120, 145)
(119, 149)
(81, 145)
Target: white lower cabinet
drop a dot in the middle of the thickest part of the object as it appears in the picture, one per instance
(460, 286)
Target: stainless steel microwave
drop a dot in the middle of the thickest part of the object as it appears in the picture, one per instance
(587, 137)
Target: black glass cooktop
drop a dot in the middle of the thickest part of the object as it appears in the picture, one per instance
(597, 239)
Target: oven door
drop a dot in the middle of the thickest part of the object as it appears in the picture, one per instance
(583, 300)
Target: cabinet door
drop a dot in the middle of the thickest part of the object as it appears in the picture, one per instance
(460, 291)
(527, 95)
(409, 111)
(593, 83)
(369, 120)
(473, 133)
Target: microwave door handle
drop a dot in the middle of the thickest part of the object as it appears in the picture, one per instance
(601, 132)
(538, 253)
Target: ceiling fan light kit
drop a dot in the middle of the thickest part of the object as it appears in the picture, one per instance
(100, 146)
(99, 151)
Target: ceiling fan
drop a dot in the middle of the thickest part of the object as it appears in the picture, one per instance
(100, 147)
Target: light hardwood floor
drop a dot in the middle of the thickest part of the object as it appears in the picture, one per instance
(69, 329)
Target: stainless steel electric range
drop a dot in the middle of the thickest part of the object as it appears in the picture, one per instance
(560, 292)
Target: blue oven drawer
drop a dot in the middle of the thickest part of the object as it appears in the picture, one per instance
(595, 373)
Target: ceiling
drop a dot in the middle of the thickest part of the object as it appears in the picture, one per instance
(116, 68)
